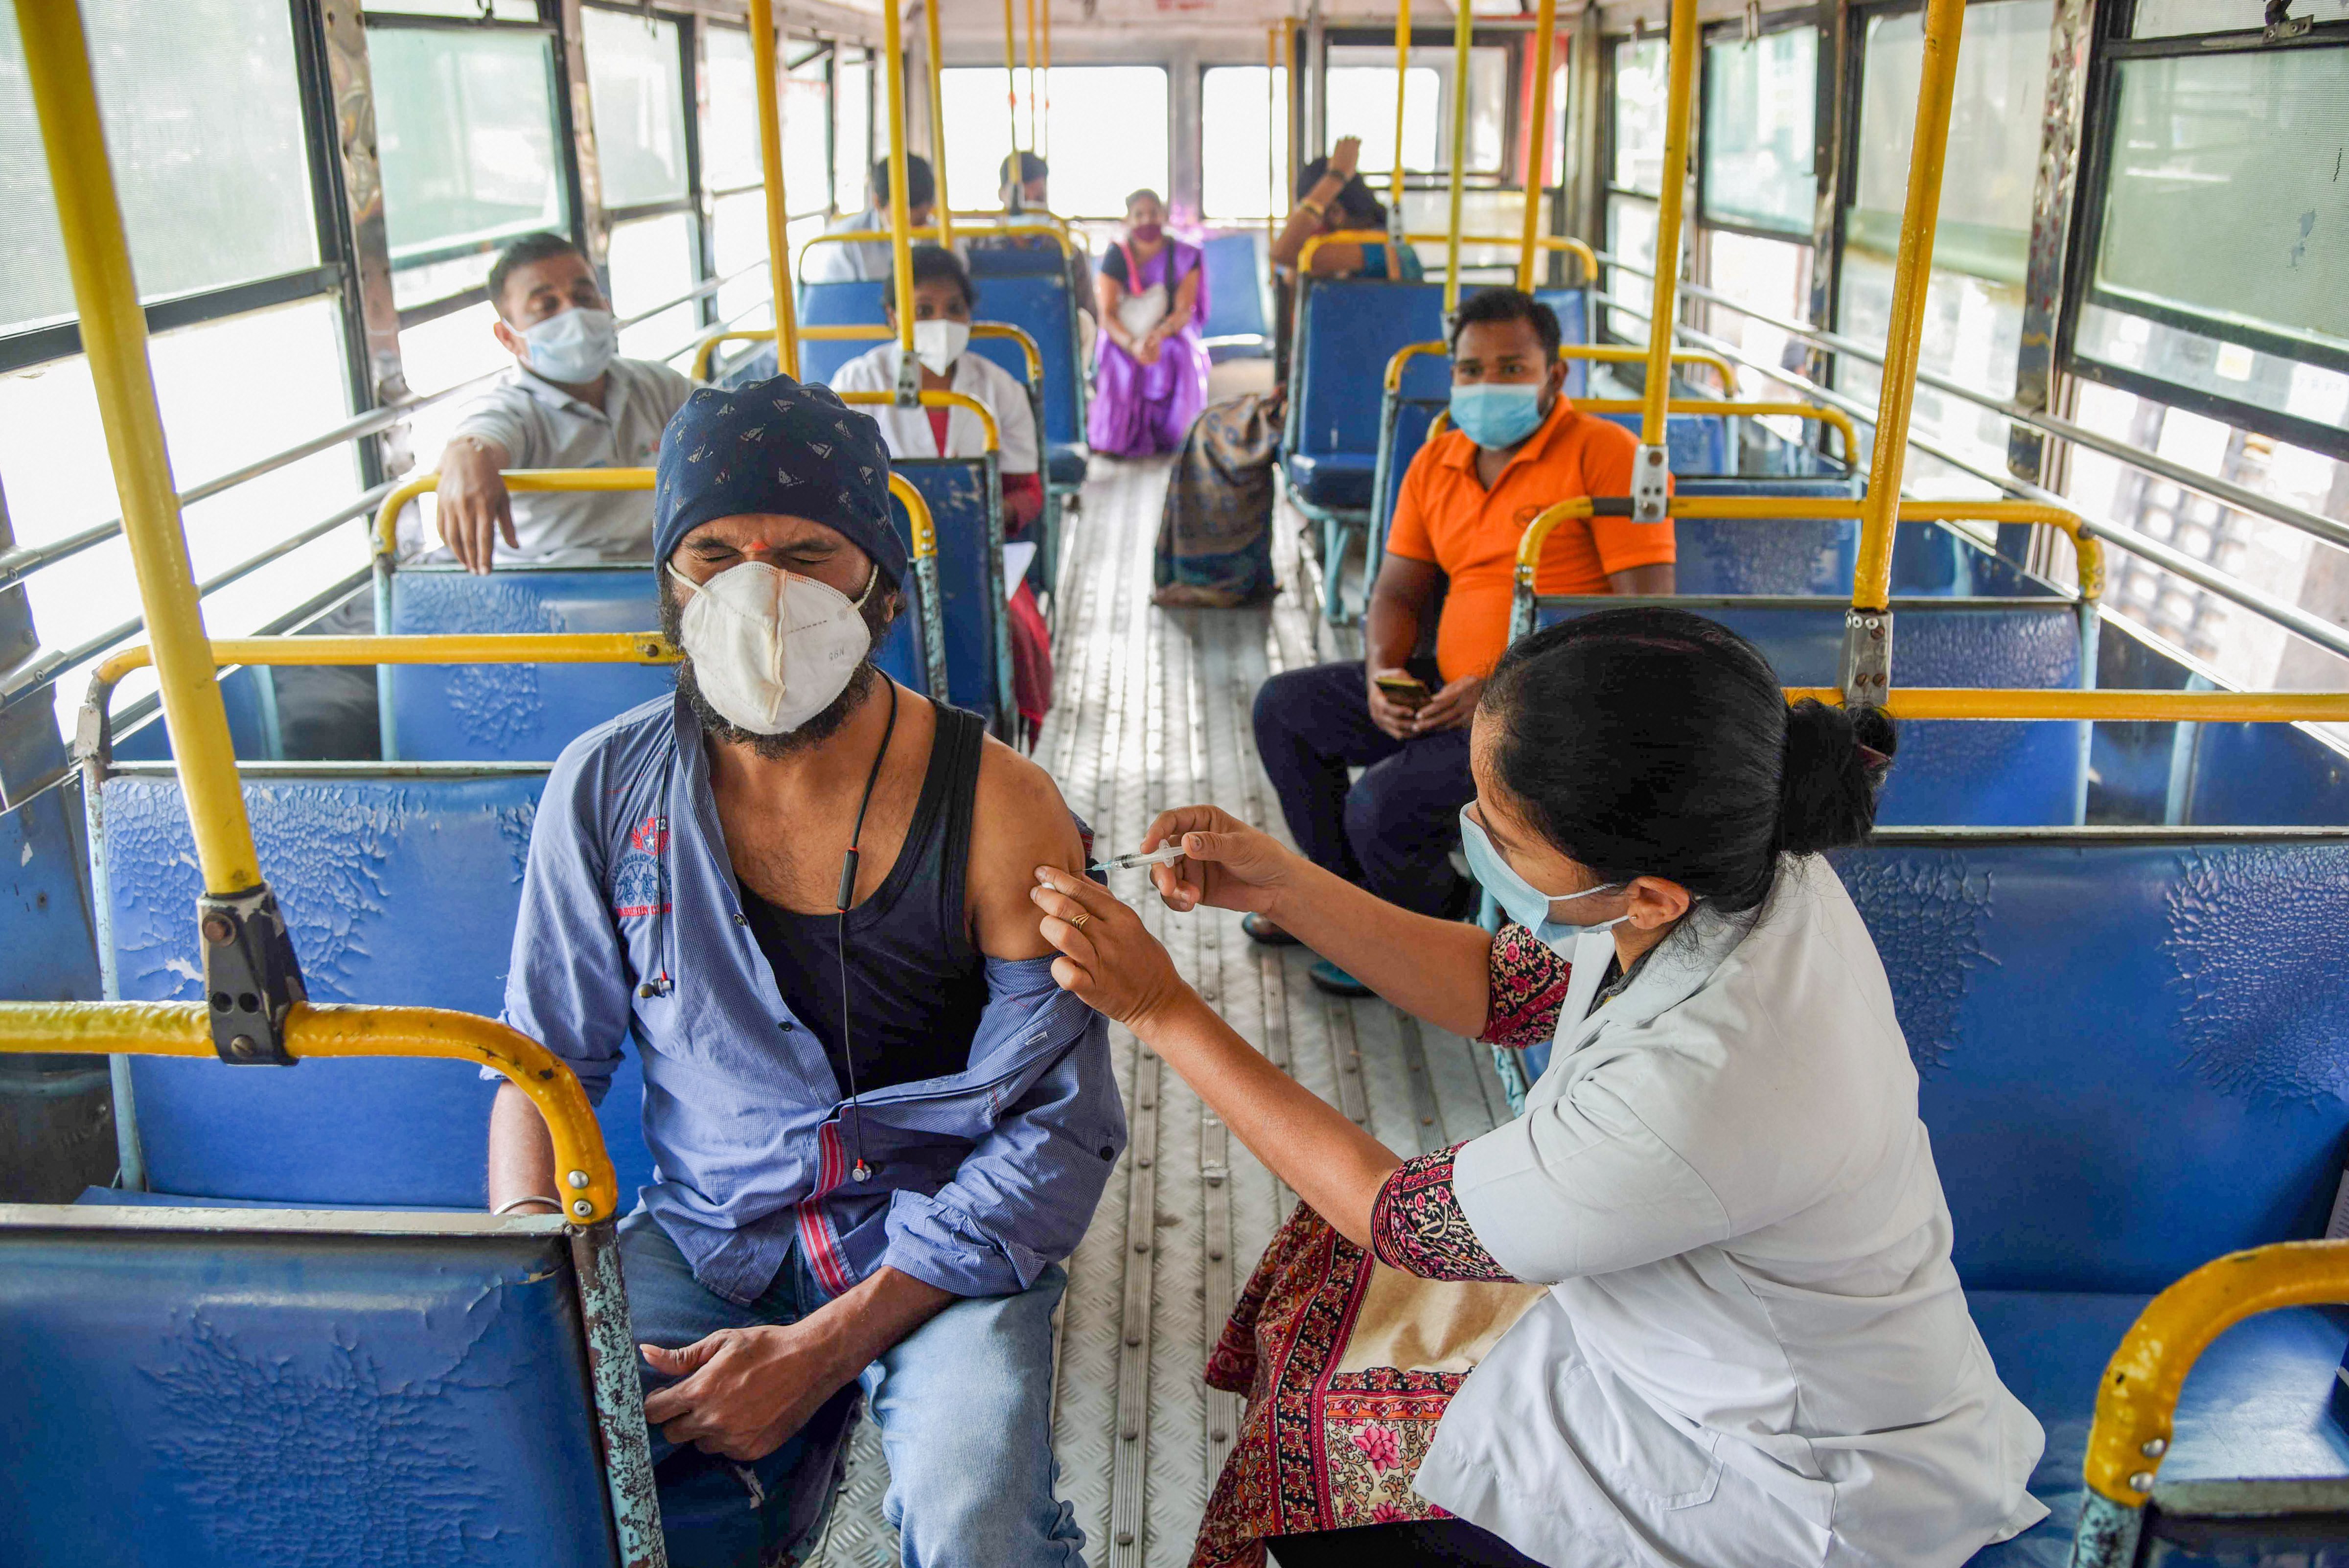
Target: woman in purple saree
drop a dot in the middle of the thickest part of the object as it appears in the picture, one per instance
(1151, 379)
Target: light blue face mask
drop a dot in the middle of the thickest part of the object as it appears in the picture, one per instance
(1497, 413)
(1519, 899)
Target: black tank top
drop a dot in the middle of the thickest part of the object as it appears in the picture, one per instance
(917, 986)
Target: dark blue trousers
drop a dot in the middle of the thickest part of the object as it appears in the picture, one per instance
(1391, 831)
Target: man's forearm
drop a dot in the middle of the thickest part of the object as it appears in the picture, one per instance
(855, 1327)
(1390, 633)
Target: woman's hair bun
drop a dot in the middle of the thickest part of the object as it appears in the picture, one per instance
(1836, 761)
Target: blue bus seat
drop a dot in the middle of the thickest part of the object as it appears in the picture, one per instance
(1236, 271)
(1976, 774)
(220, 1391)
(1014, 261)
(1694, 444)
(970, 583)
(1346, 329)
(399, 890)
(512, 712)
(251, 699)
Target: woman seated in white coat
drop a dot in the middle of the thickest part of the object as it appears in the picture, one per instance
(943, 301)
(1697, 1304)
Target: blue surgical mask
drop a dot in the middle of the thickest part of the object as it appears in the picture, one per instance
(1497, 413)
(1519, 899)
(573, 347)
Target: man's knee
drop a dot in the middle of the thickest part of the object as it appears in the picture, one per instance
(1279, 704)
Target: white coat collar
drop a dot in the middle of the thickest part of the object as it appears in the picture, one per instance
(1676, 971)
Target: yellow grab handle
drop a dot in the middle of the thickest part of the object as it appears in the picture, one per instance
(589, 1190)
(934, 400)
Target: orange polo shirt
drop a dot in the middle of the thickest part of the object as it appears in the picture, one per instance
(1445, 517)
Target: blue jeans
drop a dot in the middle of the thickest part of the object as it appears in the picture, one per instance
(1390, 831)
(964, 1404)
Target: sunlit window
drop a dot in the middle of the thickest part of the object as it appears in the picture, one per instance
(852, 130)
(1760, 106)
(1243, 161)
(1107, 133)
(635, 78)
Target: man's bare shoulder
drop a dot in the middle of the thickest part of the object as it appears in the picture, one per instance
(1020, 821)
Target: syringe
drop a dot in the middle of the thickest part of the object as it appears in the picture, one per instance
(1164, 856)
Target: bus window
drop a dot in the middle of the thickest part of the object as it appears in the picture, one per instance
(1091, 170)
(1235, 165)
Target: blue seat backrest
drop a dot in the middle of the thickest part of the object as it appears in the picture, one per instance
(971, 580)
(44, 917)
(252, 722)
(1572, 306)
(1694, 444)
(1014, 261)
(514, 712)
(397, 891)
(2273, 775)
(1800, 555)
(1234, 284)
(1037, 305)
(2134, 1056)
(220, 1397)
(1348, 328)
(1958, 773)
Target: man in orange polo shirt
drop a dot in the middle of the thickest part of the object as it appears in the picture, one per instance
(1517, 446)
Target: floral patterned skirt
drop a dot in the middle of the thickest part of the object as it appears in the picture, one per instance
(1347, 1365)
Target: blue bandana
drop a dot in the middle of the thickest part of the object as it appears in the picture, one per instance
(777, 447)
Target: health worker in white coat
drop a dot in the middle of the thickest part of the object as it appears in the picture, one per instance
(1740, 1338)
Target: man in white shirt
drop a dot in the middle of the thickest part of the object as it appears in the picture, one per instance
(569, 402)
(868, 259)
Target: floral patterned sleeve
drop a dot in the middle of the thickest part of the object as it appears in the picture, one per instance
(1528, 989)
(1417, 1225)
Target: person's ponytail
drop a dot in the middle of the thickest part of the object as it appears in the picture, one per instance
(1836, 760)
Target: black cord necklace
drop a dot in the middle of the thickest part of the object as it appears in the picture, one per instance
(860, 1170)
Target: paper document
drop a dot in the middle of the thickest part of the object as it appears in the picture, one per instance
(1016, 558)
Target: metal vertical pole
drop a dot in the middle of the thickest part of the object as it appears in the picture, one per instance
(1032, 140)
(1537, 140)
(1012, 75)
(114, 337)
(1911, 272)
(1045, 146)
(892, 42)
(1402, 75)
(763, 66)
(939, 124)
(1463, 23)
(1650, 473)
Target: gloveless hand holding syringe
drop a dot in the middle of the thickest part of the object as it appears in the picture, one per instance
(1165, 854)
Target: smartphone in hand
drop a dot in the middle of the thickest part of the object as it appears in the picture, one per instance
(1404, 691)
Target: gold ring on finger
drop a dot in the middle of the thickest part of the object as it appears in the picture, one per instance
(1080, 918)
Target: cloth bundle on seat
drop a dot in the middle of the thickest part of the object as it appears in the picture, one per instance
(1215, 538)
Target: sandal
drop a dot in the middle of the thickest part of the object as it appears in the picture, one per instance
(1261, 930)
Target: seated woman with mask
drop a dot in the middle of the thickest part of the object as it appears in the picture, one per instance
(943, 300)
(1696, 1306)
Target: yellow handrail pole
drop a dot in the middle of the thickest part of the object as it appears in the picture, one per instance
(454, 648)
(1031, 73)
(387, 516)
(1614, 353)
(1012, 75)
(2105, 705)
(892, 42)
(1402, 74)
(114, 336)
(1464, 24)
(1537, 139)
(591, 1191)
(1372, 236)
(1679, 95)
(1911, 272)
(933, 400)
(938, 121)
(764, 66)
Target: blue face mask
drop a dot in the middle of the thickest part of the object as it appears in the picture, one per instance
(1497, 413)
(1519, 899)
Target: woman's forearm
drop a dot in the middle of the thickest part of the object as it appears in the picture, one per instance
(1333, 1164)
(1437, 970)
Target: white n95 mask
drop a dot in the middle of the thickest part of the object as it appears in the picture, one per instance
(770, 649)
(573, 347)
(939, 343)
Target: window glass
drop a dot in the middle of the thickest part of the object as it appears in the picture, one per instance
(465, 129)
(1238, 151)
(1768, 274)
(851, 130)
(1108, 135)
(738, 239)
(203, 118)
(1362, 103)
(730, 117)
(807, 153)
(439, 354)
(230, 392)
(471, 10)
(1985, 218)
(2207, 365)
(1631, 234)
(636, 80)
(652, 260)
(2170, 18)
(1760, 107)
(1639, 87)
(2223, 200)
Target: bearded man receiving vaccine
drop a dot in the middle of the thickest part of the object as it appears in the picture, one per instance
(1516, 447)
(797, 891)
(570, 401)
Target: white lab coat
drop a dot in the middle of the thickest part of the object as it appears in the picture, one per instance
(908, 430)
(1754, 1349)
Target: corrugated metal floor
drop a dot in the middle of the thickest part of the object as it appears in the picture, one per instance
(1153, 712)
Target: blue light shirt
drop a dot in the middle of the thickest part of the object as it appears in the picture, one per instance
(979, 1181)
